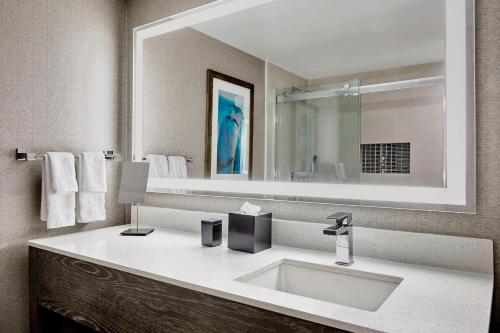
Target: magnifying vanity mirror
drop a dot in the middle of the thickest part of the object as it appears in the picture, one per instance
(354, 102)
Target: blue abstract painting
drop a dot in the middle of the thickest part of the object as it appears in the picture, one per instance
(231, 120)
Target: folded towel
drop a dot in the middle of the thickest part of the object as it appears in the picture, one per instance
(92, 172)
(177, 166)
(178, 170)
(62, 172)
(57, 208)
(92, 180)
(158, 166)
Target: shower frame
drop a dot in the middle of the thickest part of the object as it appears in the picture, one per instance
(372, 88)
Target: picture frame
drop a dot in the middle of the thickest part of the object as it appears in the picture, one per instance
(229, 127)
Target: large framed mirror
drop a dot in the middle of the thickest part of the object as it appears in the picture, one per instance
(354, 102)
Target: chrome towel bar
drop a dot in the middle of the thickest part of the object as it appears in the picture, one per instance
(22, 156)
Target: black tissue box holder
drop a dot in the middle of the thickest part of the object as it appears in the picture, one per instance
(249, 233)
(211, 232)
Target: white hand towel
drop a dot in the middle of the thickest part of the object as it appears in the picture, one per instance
(62, 172)
(158, 166)
(92, 180)
(57, 209)
(178, 170)
(92, 173)
(177, 166)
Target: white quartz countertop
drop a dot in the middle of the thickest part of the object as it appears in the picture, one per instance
(428, 299)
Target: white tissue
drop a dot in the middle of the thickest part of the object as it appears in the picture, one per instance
(249, 209)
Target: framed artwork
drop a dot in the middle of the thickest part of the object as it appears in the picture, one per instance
(228, 145)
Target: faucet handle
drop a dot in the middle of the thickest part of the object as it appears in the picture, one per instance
(341, 218)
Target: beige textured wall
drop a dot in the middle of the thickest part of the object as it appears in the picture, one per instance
(407, 115)
(485, 224)
(175, 76)
(61, 88)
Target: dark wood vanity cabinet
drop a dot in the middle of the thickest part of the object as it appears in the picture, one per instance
(72, 295)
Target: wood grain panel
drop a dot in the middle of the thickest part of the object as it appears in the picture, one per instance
(33, 291)
(109, 300)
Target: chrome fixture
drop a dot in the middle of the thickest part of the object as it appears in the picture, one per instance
(109, 155)
(367, 89)
(301, 176)
(343, 230)
(188, 159)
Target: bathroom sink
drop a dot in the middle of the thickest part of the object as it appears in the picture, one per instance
(357, 289)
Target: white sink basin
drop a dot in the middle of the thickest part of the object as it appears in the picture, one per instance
(361, 290)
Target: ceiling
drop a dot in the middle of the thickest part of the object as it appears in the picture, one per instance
(321, 38)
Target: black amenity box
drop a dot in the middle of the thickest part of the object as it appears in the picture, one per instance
(211, 232)
(249, 233)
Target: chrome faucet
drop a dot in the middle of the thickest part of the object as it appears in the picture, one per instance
(343, 230)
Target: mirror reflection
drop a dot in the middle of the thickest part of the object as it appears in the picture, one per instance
(323, 91)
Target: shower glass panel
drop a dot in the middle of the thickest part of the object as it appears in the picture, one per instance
(318, 133)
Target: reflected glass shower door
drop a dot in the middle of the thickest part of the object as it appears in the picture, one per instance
(317, 134)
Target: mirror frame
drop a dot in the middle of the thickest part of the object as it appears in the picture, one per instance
(460, 191)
